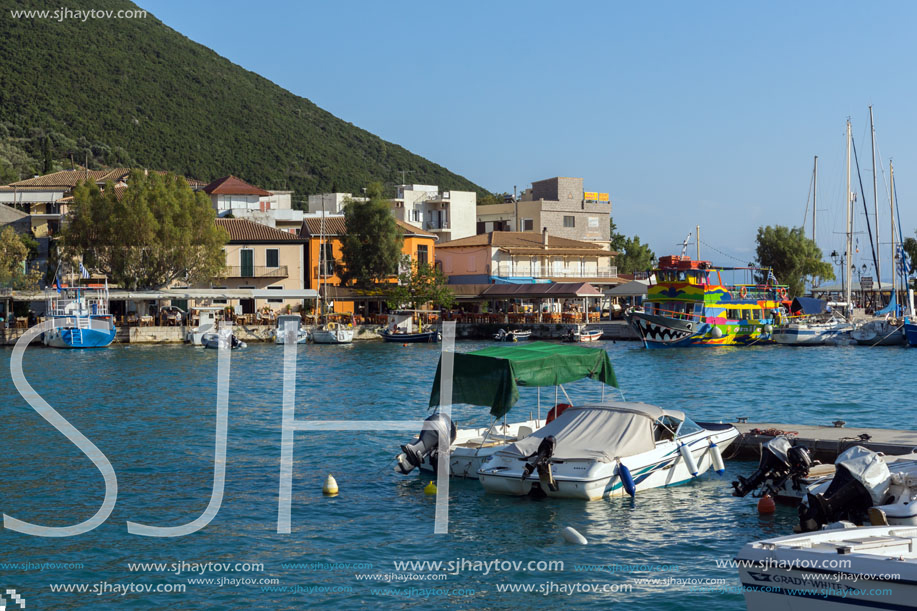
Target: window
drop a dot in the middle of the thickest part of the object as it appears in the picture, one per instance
(275, 288)
(327, 259)
(528, 224)
(422, 255)
(569, 221)
(272, 257)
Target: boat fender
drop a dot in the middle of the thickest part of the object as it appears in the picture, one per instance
(717, 458)
(768, 329)
(556, 411)
(571, 535)
(716, 332)
(766, 505)
(627, 481)
(688, 458)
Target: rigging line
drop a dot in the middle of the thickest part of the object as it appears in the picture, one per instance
(872, 246)
(808, 197)
(714, 248)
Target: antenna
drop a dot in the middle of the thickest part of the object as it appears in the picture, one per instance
(403, 174)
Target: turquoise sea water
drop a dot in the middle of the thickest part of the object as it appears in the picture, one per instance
(151, 411)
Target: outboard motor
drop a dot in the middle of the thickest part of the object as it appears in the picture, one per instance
(427, 443)
(861, 480)
(779, 461)
(542, 463)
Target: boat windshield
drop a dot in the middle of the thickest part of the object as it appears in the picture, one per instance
(665, 428)
(688, 427)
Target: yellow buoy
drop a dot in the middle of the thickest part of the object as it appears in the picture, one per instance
(331, 486)
(430, 488)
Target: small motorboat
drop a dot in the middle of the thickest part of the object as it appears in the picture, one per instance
(880, 333)
(401, 328)
(337, 329)
(280, 333)
(207, 323)
(832, 570)
(81, 319)
(513, 335)
(213, 340)
(492, 377)
(607, 449)
(581, 334)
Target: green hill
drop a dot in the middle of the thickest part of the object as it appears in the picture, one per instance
(134, 91)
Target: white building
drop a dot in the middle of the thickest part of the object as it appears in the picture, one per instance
(330, 203)
(450, 215)
(233, 196)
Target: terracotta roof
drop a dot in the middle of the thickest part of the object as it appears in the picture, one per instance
(334, 225)
(68, 179)
(230, 185)
(526, 242)
(244, 230)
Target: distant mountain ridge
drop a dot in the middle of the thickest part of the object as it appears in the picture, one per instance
(159, 100)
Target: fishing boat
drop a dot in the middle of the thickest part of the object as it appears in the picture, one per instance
(689, 305)
(280, 332)
(81, 319)
(337, 329)
(513, 335)
(605, 450)
(873, 567)
(401, 328)
(581, 334)
(491, 377)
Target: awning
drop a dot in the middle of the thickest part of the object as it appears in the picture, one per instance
(634, 288)
(122, 295)
(557, 290)
(491, 377)
(807, 305)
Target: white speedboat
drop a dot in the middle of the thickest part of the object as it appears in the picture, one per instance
(207, 324)
(214, 340)
(813, 333)
(491, 377)
(332, 332)
(879, 333)
(832, 570)
(582, 334)
(280, 333)
(513, 335)
(609, 449)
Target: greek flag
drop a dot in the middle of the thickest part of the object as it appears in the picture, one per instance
(903, 267)
(84, 273)
(771, 277)
(57, 283)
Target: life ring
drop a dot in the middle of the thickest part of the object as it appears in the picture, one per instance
(782, 293)
(743, 292)
(556, 411)
(332, 326)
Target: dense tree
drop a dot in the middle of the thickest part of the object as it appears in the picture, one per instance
(493, 198)
(420, 283)
(372, 247)
(792, 257)
(14, 256)
(618, 240)
(115, 89)
(635, 256)
(159, 231)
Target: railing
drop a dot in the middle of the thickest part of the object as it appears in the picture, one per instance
(433, 225)
(328, 272)
(254, 272)
(508, 271)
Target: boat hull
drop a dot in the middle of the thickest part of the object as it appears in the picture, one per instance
(810, 335)
(664, 332)
(427, 337)
(72, 337)
(332, 336)
(592, 480)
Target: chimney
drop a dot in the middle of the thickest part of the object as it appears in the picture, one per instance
(544, 236)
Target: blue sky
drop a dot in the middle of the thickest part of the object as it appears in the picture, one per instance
(685, 112)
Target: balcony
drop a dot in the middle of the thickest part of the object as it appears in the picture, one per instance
(328, 271)
(435, 226)
(505, 270)
(255, 272)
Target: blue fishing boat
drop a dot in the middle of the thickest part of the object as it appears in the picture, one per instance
(81, 319)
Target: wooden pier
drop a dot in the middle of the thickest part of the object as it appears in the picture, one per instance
(825, 442)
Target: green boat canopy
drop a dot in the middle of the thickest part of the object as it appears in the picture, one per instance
(491, 377)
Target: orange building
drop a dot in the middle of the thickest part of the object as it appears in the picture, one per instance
(418, 244)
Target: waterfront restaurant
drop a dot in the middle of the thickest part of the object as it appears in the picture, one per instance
(558, 302)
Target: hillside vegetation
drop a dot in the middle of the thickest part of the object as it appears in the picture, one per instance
(135, 92)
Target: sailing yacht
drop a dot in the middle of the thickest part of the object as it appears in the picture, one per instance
(329, 331)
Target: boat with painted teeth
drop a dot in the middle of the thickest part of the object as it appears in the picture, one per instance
(606, 450)
(690, 305)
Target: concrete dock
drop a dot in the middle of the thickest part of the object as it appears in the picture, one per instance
(825, 442)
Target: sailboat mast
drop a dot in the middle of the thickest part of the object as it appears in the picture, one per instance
(891, 174)
(848, 263)
(814, 195)
(321, 260)
(875, 197)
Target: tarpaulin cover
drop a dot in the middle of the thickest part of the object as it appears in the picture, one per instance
(491, 377)
(595, 433)
(807, 305)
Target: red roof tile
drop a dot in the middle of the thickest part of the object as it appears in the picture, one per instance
(244, 230)
(230, 185)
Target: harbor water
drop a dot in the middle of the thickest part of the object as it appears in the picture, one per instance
(151, 411)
